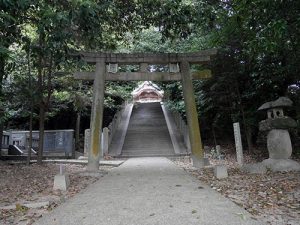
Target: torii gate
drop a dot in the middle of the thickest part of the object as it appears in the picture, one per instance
(179, 70)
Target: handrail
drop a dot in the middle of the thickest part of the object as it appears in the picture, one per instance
(182, 127)
(114, 124)
(16, 147)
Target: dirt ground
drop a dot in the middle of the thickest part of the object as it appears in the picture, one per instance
(271, 197)
(21, 184)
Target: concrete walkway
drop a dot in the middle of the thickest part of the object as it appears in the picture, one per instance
(148, 191)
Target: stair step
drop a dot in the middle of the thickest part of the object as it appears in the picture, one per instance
(147, 132)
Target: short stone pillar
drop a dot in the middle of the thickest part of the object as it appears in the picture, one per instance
(238, 143)
(105, 139)
(87, 135)
(220, 172)
(61, 180)
(278, 139)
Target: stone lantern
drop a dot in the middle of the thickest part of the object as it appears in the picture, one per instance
(278, 138)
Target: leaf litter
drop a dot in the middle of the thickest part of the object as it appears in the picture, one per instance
(273, 197)
(20, 184)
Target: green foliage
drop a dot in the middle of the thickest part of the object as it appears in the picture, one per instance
(258, 60)
(153, 40)
(120, 89)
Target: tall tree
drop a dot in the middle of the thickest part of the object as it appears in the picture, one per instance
(12, 14)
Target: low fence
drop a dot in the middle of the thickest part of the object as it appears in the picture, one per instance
(59, 142)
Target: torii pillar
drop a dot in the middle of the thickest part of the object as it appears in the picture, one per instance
(97, 116)
(192, 115)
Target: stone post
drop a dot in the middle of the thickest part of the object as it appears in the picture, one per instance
(61, 180)
(218, 152)
(10, 140)
(87, 138)
(238, 143)
(191, 113)
(105, 140)
(97, 117)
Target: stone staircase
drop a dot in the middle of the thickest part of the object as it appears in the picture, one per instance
(147, 133)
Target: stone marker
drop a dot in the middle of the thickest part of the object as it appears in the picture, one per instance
(87, 135)
(105, 139)
(61, 180)
(220, 172)
(218, 150)
(61, 169)
(220, 155)
(238, 143)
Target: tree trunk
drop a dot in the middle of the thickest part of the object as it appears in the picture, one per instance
(44, 104)
(77, 132)
(1, 137)
(31, 110)
(41, 134)
(214, 135)
(249, 139)
(2, 74)
(41, 100)
(245, 126)
(30, 137)
(247, 132)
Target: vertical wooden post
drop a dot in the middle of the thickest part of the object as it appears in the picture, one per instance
(191, 111)
(97, 117)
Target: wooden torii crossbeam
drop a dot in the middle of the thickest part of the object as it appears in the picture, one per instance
(179, 70)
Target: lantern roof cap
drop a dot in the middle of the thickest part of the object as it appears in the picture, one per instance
(278, 103)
